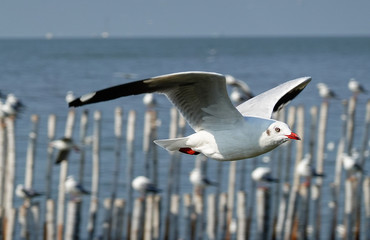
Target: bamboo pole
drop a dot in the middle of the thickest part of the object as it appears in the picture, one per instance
(30, 157)
(137, 220)
(49, 220)
(351, 122)
(35, 220)
(222, 221)
(51, 137)
(188, 217)
(292, 204)
(9, 178)
(366, 189)
(364, 148)
(71, 221)
(349, 207)
(211, 210)
(157, 217)
(323, 119)
(148, 218)
(175, 202)
(171, 173)
(146, 143)
(241, 215)
(62, 178)
(107, 203)
(118, 217)
(231, 196)
(263, 211)
(130, 137)
(94, 200)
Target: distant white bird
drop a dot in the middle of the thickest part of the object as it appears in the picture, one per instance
(74, 188)
(12, 105)
(237, 97)
(355, 86)
(144, 185)
(263, 174)
(70, 96)
(222, 131)
(24, 193)
(149, 100)
(242, 86)
(64, 145)
(198, 179)
(350, 163)
(325, 92)
(305, 168)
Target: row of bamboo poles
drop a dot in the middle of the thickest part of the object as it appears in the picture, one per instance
(281, 211)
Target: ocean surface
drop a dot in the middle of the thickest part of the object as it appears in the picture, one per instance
(40, 72)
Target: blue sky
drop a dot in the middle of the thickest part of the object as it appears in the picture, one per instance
(130, 18)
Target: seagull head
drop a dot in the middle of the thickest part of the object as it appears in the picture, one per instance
(278, 133)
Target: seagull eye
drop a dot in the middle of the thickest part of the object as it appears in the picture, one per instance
(277, 129)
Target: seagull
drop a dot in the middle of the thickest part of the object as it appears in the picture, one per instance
(74, 188)
(70, 96)
(149, 100)
(199, 180)
(24, 193)
(222, 132)
(325, 92)
(305, 168)
(238, 97)
(355, 87)
(12, 105)
(64, 145)
(144, 185)
(350, 164)
(263, 174)
(242, 86)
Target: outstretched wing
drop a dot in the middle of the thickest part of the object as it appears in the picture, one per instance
(201, 97)
(266, 103)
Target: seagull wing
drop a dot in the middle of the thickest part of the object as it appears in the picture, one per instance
(266, 103)
(201, 97)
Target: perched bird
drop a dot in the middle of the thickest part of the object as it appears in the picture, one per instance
(149, 100)
(263, 174)
(70, 96)
(305, 168)
(355, 87)
(350, 164)
(74, 188)
(24, 193)
(325, 92)
(64, 145)
(237, 97)
(222, 132)
(197, 178)
(12, 105)
(242, 86)
(144, 185)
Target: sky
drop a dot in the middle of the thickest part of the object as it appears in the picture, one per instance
(183, 18)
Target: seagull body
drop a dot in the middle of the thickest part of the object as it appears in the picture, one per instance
(24, 193)
(325, 92)
(263, 174)
(144, 185)
(222, 132)
(64, 145)
(74, 188)
(199, 180)
(305, 169)
(355, 86)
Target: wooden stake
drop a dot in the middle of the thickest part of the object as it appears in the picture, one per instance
(94, 200)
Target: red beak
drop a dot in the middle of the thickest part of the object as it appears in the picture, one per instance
(293, 136)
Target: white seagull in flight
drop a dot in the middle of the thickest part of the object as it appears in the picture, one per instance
(222, 132)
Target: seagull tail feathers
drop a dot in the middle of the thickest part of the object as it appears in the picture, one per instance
(173, 144)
